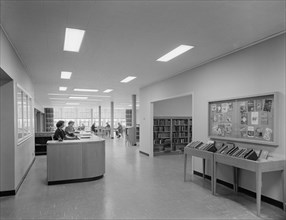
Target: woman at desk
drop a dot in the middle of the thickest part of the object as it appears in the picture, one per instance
(70, 129)
(60, 134)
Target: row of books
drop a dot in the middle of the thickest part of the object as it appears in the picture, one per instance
(240, 152)
(180, 141)
(162, 122)
(180, 135)
(180, 128)
(180, 122)
(230, 150)
(202, 146)
(162, 135)
(162, 129)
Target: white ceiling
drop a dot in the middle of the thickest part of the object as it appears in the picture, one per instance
(126, 37)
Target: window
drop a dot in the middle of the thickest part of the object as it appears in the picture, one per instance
(24, 114)
(88, 116)
(20, 112)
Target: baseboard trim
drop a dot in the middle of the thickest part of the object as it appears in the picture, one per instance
(14, 192)
(7, 193)
(40, 153)
(23, 178)
(245, 191)
(74, 180)
(141, 152)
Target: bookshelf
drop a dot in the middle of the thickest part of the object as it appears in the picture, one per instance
(171, 134)
(128, 117)
(137, 133)
(49, 119)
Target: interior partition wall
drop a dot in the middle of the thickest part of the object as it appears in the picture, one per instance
(254, 70)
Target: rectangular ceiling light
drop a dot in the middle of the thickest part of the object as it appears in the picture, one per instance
(65, 94)
(73, 39)
(66, 75)
(77, 97)
(174, 53)
(63, 88)
(128, 79)
(86, 90)
(108, 90)
(72, 103)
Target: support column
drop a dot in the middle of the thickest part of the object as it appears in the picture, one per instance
(112, 120)
(99, 117)
(133, 133)
(134, 111)
(91, 117)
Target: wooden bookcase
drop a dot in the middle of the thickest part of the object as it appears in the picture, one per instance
(171, 134)
(49, 119)
(128, 117)
(137, 133)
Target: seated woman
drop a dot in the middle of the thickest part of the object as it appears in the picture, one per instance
(70, 129)
(60, 134)
(119, 130)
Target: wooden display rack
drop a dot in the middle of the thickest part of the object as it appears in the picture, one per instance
(259, 167)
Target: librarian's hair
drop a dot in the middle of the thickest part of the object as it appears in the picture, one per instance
(71, 122)
(60, 123)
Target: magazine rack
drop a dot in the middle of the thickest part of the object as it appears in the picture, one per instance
(259, 167)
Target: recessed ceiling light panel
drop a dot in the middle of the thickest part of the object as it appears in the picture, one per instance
(73, 39)
(77, 97)
(128, 79)
(63, 88)
(66, 75)
(72, 103)
(174, 53)
(108, 90)
(86, 90)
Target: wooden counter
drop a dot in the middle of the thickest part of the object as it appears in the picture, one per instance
(75, 160)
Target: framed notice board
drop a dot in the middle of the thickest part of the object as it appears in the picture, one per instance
(250, 119)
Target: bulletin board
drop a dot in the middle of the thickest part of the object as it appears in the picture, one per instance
(246, 119)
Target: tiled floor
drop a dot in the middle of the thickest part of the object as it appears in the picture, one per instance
(134, 187)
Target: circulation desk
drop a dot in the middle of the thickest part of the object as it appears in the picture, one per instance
(75, 160)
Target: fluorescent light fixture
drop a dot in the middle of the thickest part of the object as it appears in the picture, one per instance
(63, 88)
(66, 75)
(59, 98)
(128, 79)
(108, 90)
(76, 97)
(73, 39)
(131, 105)
(64, 94)
(72, 103)
(174, 53)
(86, 90)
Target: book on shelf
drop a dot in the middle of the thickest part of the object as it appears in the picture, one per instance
(194, 144)
(239, 152)
(231, 152)
(252, 156)
(264, 154)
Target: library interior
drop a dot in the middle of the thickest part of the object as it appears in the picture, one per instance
(142, 109)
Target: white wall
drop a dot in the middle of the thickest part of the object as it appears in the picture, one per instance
(254, 70)
(24, 152)
(181, 106)
(7, 145)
